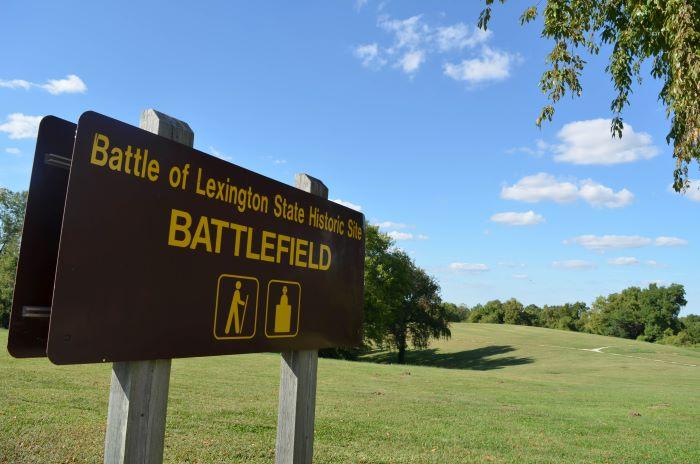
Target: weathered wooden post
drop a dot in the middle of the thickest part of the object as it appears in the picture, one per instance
(138, 397)
(297, 401)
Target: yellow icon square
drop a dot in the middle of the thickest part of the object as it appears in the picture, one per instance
(236, 307)
(283, 309)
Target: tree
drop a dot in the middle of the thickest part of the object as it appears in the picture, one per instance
(533, 313)
(419, 315)
(618, 314)
(564, 317)
(490, 313)
(646, 314)
(689, 334)
(691, 326)
(382, 284)
(456, 313)
(12, 206)
(635, 31)
(402, 302)
(661, 306)
(8, 266)
(514, 313)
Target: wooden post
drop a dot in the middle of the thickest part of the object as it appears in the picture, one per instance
(138, 396)
(297, 403)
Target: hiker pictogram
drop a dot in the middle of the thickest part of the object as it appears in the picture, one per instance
(235, 315)
(283, 309)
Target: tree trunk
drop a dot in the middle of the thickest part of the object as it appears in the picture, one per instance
(402, 351)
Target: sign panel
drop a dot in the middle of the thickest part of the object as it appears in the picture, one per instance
(168, 252)
(29, 320)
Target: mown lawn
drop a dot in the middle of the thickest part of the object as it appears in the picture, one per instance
(490, 394)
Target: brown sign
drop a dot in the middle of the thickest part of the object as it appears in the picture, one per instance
(31, 305)
(168, 252)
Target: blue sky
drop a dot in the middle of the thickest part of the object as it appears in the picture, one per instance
(402, 108)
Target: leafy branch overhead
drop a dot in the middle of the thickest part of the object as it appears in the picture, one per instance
(666, 32)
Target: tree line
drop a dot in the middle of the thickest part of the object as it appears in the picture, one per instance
(647, 314)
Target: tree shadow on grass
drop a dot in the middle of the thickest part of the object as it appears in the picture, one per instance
(478, 359)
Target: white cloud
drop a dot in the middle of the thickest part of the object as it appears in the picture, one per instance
(70, 84)
(528, 218)
(459, 36)
(469, 267)
(540, 149)
(368, 54)
(521, 276)
(601, 196)
(526, 150)
(219, 154)
(670, 241)
(591, 142)
(490, 65)
(511, 264)
(413, 40)
(411, 61)
(539, 187)
(13, 151)
(401, 236)
(21, 126)
(408, 33)
(545, 187)
(394, 230)
(573, 264)
(348, 204)
(396, 235)
(624, 261)
(616, 242)
(391, 225)
(280, 161)
(359, 4)
(609, 242)
(15, 84)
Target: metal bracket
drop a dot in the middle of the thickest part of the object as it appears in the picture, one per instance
(57, 160)
(37, 312)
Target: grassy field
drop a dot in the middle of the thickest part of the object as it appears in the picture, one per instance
(490, 394)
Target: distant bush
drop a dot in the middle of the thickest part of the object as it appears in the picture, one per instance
(689, 335)
(569, 316)
(455, 313)
(647, 314)
(490, 313)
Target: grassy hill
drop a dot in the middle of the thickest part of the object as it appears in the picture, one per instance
(490, 394)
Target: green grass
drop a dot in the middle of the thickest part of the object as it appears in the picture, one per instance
(490, 394)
